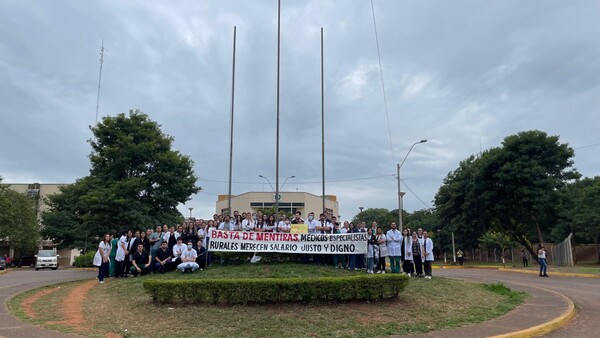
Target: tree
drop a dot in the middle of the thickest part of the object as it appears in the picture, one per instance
(497, 240)
(18, 220)
(135, 180)
(424, 218)
(382, 216)
(513, 187)
(459, 209)
(583, 211)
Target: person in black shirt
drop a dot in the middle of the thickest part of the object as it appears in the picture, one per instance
(163, 261)
(141, 261)
(416, 253)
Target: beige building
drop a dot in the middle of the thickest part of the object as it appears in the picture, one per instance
(38, 193)
(290, 202)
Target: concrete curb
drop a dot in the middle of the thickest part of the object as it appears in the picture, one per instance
(531, 272)
(545, 328)
(563, 274)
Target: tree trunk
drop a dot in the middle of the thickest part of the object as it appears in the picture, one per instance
(539, 231)
(598, 249)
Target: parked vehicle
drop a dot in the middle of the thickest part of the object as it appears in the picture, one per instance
(2, 263)
(24, 261)
(46, 259)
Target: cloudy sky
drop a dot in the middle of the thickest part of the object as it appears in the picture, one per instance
(462, 75)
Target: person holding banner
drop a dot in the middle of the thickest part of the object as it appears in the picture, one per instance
(338, 258)
(249, 223)
(323, 226)
(284, 225)
(271, 225)
(394, 240)
(312, 225)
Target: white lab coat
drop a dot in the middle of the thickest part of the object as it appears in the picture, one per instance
(428, 247)
(383, 248)
(248, 225)
(121, 245)
(394, 243)
(407, 254)
(103, 251)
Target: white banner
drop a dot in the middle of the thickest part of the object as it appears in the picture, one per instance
(247, 241)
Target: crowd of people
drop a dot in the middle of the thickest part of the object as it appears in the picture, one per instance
(183, 247)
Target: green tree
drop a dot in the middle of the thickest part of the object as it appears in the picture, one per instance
(424, 218)
(18, 220)
(382, 216)
(582, 210)
(513, 187)
(497, 240)
(135, 180)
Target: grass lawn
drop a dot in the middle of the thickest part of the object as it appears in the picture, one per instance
(122, 307)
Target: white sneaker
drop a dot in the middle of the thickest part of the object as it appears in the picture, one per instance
(101, 282)
(378, 272)
(383, 272)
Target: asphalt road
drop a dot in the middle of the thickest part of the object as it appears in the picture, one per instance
(584, 292)
(23, 279)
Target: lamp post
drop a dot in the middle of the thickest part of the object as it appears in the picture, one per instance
(400, 193)
(277, 197)
(360, 213)
(190, 209)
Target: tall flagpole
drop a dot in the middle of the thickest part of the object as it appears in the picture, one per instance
(231, 126)
(99, 81)
(277, 136)
(322, 125)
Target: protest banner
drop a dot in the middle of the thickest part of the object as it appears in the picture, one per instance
(247, 241)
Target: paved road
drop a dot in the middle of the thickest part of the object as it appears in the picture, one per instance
(24, 279)
(584, 292)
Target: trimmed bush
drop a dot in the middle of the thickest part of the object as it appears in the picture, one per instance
(86, 260)
(276, 290)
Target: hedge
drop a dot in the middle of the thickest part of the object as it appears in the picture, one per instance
(86, 260)
(275, 290)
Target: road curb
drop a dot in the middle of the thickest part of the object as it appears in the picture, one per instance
(562, 274)
(547, 327)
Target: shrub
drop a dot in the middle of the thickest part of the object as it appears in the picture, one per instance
(85, 260)
(276, 290)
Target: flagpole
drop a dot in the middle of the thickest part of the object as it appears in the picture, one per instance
(231, 126)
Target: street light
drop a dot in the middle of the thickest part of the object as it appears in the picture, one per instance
(287, 178)
(261, 176)
(190, 208)
(360, 213)
(277, 197)
(400, 194)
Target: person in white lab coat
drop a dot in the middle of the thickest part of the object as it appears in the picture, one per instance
(102, 258)
(394, 244)
(407, 256)
(427, 253)
(120, 256)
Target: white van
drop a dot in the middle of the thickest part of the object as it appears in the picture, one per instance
(46, 259)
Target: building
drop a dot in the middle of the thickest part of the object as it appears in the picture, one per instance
(38, 193)
(290, 202)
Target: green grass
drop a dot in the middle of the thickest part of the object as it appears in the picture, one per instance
(425, 305)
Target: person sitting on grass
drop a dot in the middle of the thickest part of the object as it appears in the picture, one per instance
(141, 261)
(163, 260)
(178, 250)
(188, 259)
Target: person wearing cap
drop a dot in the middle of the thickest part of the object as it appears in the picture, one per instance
(188, 259)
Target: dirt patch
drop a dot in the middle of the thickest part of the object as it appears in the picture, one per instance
(73, 306)
(27, 304)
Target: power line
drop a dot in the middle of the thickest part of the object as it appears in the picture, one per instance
(417, 196)
(387, 115)
(588, 146)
